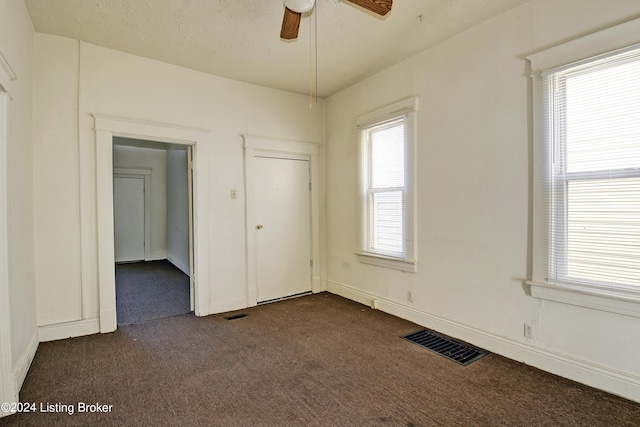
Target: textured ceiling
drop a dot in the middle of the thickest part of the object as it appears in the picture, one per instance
(239, 39)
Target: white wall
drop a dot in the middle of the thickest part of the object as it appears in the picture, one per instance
(154, 159)
(178, 209)
(74, 76)
(56, 187)
(473, 172)
(16, 45)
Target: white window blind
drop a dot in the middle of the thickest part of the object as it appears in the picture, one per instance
(593, 169)
(385, 151)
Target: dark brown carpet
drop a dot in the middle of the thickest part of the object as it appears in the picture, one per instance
(318, 360)
(150, 290)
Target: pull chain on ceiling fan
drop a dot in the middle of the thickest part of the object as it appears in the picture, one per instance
(295, 8)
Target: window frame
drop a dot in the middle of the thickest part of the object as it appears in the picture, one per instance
(617, 299)
(405, 110)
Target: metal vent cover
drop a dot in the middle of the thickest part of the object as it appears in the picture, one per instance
(236, 316)
(460, 352)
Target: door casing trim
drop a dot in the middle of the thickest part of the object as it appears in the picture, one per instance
(8, 383)
(108, 127)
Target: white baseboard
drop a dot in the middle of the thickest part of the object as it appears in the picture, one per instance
(179, 264)
(229, 304)
(157, 256)
(252, 299)
(60, 331)
(24, 363)
(593, 375)
(318, 285)
(107, 321)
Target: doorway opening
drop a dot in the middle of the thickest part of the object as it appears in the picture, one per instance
(106, 129)
(152, 205)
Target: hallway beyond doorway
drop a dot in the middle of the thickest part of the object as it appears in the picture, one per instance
(150, 290)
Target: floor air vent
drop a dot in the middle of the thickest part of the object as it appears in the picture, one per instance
(445, 346)
(235, 316)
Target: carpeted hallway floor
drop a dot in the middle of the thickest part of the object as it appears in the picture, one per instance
(318, 360)
(150, 290)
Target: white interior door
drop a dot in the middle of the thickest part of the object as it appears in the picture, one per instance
(128, 206)
(283, 229)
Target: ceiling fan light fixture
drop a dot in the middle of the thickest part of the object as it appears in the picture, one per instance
(300, 6)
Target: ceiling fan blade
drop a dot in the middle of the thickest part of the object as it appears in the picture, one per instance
(380, 7)
(290, 24)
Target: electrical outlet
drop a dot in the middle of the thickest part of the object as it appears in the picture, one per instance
(529, 330)
(409, 296)
(234, 194)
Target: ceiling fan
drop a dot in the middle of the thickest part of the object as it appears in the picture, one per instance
(293, 10)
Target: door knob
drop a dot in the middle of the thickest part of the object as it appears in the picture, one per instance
(259, 226)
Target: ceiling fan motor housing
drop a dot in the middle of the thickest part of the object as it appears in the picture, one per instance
(300, 6)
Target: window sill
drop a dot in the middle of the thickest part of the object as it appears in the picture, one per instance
(613, 301)
(388, 262)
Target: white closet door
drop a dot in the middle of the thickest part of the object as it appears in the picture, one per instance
(283, 231)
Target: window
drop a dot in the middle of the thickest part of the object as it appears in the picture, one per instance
(594, 147)
(384, 157)
(386, 139)
(587, 170)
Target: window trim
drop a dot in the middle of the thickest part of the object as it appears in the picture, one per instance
(621, 300)
(408, 109)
